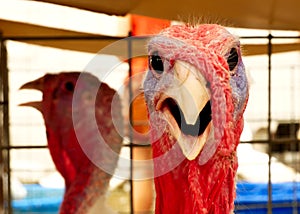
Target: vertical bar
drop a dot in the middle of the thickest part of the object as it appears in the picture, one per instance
(5, 154)
(293, 135)
(270, 37)
(1, 129)
(130, 121)
(7, 173)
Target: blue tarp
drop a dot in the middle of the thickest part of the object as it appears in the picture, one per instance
(251, 198)
(39, 200)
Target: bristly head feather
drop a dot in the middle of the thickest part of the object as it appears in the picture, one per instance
(194, 20)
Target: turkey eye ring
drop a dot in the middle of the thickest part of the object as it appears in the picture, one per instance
(233, 59)
(156, 63)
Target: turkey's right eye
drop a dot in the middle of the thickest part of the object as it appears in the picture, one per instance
(156, 63)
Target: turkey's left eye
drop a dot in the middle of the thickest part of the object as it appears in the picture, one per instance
(232, 59)
(69, 86)
(156, 63)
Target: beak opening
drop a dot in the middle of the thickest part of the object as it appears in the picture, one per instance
(37, 84)
(196, 129)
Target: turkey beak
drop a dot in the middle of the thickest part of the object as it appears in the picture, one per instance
(37, 105)
(37, 84)
(190, 93)
(191, 96)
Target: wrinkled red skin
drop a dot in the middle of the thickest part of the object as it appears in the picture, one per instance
(194, 188)
(85, 182)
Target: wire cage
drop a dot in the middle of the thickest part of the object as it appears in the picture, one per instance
(273, 114)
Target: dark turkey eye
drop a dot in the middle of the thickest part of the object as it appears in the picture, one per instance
(69, 86)
(232, 59)
(156, 63)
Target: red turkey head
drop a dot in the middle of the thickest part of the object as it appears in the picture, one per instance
(196, 85)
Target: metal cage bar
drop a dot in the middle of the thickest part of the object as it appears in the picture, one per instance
(5, 154)
(269, 124)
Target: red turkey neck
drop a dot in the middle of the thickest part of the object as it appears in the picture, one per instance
(192, 188)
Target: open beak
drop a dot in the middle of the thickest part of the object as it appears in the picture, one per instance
(37, 84)
(186, 106)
